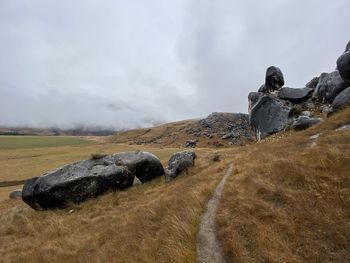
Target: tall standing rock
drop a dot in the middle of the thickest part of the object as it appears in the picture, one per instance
(274, 80)
(270, 115)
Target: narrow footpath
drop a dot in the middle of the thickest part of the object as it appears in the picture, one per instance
(208, 247)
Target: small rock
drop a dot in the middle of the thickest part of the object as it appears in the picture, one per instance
(191, 143)
(315, 137)
(326, 109)
(215, 157)
(303, 122)
(178, 163)
(344, 128)
(306, 113)
(17, 194)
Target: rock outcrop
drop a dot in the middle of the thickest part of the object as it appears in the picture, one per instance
(77, 182)
(330, 85)
(233, 127)
(295, 107)
(343, 64)
(270, 115)
(178, 163)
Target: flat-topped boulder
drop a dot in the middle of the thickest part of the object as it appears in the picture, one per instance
(295, 95)
(77, 182)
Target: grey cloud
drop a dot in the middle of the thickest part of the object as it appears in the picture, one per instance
(132, 64)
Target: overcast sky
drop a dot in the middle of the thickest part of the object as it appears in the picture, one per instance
(126, 64)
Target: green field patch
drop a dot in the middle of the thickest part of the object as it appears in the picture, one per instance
(26, 142)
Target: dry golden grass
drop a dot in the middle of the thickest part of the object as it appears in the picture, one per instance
(21, 164)
(289, 199)
(154, 222)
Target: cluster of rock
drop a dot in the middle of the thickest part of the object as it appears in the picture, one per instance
(276, 108)
(77, 182)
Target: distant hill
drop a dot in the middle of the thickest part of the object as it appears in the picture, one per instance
(219, 129)
(85, 131)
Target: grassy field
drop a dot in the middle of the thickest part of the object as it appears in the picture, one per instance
(29, 142)
(153, 222)
(288, 200)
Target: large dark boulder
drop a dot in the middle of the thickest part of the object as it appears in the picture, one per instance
(74, 183)
(295, 95)
(77, 182)
(270, 115)
(144, 165)
(304, 122)
(273, 80)
(178, 163)
(343, 64)
(342, 100)
(330, 85)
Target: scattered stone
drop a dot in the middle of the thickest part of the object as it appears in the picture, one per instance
(304, 122)
(235, 125)
(344, 127)
(77, 182)
(342, 100)
(343, 64)
(17, 194)
(270, 115)
(191, 143)
(326, 109)
(330, 85)
(178, 163)
(305, 113)
(295, 95)
(315, 137)
(215, 157)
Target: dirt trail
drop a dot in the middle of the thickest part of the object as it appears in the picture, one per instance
(208, 247)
